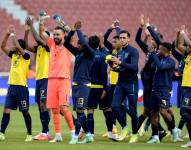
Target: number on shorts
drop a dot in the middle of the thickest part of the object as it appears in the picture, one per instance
(164, 102)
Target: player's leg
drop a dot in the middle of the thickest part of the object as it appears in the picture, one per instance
(105, 106)
(10, 104)
(167, 114)
(119, 110)
(92, 103)
(4, 122)
(64, 94)
(132, 95)
(23, 103)
(110, 96)
(81, 97)
(154, 117)
(186, 115)
(41, 98)
(53, 105)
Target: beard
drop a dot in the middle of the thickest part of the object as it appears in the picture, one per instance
(57, 41)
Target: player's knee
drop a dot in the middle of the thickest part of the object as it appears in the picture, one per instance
(80, 110)
(42, 107)
(55, 111)
(25, 113)
(163, 112)
(6, 110)
(90, 111)
(154, 118)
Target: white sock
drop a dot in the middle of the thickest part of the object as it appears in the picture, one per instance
(155, 137)
(58, 134)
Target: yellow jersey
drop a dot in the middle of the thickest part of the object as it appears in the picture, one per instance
(42, 62)
(186, 79)
(19, 68)
(113, 76)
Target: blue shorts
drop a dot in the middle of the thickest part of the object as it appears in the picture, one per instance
(41, 90)
(17, 96)
(160, 99)
(186, 98)
(95, 99)
(80, 94)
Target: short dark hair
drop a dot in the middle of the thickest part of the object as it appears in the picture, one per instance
(94, 41)
(167, 45)
(59, 28)
(22, 43)
(116, 37)
(125, 31)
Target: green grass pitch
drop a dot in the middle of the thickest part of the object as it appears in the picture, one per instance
(16, 133)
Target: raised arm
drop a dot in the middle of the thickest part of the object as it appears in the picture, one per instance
(83, 41)
(175, 53)
(141, 44)
(4, 47)
(152, 32)
(68, 45)
(28, 47)
(187, 40)
(36, 36)
(106, 41)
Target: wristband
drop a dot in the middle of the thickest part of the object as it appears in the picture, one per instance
(182, 32)
(147, 24)
(12, 34)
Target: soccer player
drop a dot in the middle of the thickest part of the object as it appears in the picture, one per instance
(84, 55)
(114, 46)
(59, 76)
(99, 88)
(177, 46)
(127, 86)
(147, 72)
(18, 94)
(42, 59)
(186, 87)
(161, 87)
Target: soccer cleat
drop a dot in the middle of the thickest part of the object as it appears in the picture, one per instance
(42, 137)
(180, 139)
(134, 138)
(112, 136)
(124, 133)
(58, 138)
(186, 136)
(175, 135)
(114, 131)
(88, 139)
(154, 139)
(186, 145)
(74, 140)
(142, 130)
(28, 138)
(2, 136)
(105, 134)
